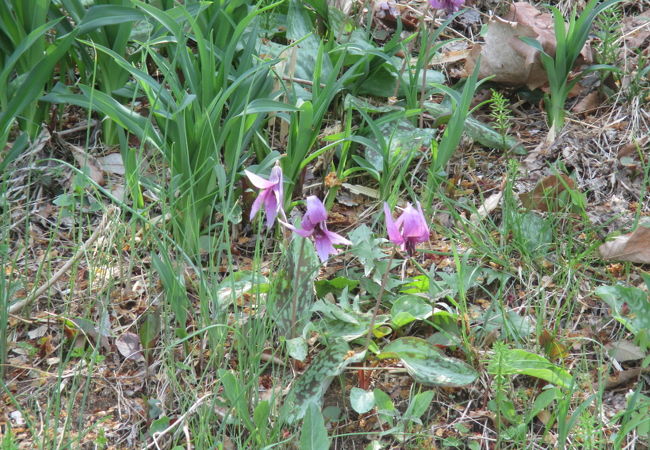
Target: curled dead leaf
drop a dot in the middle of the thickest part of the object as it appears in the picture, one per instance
(505, 56)
(633, 247)
(546, 195)
(129, 346)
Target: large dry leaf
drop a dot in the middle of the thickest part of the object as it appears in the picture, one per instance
(546, 195)
(86, 160)
(633, 247)
(129, 346)
(636, 30)
(507, 57)
(112, 163)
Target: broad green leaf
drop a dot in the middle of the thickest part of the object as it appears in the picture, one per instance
(385, 407)
(427, 365)
(419, 405)
(261, 416)
(314, 434)
(366, 247)
(311, 386)
(361, 400)
(297, 348)
(521, 362)
(535, 233)
(408, 308)
(334, 286)
(101, 15)
(347, 324)
(159, 425)
(630, 306)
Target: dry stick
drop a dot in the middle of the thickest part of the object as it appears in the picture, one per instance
(13, 309)
(379, 297)
(180, 420)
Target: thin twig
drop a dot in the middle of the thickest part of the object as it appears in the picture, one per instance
(301, 81)
(179, 421)
(14, 308)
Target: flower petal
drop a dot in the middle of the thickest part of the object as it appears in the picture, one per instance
(258, 181)
(324, 246)
(391, 227)
(257, 204)
(299, 231)
(271, 207)
(336, 238)
(316, 213)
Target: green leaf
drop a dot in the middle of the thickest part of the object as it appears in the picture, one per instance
(334, 286)
(427, 365)
(521, 362)
(101, 15)
(408, 308)
(361, 400)
(418, 405)
(314, 434)
(630, 306)
(297, 348)
(311, 386)
(535, 233)
(261, 416)
(385, 407)
(159, 425)
(366, 247)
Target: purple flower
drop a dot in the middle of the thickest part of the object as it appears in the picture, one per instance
(271, 194)
(409, 229)
(448, 5)
(314, 224)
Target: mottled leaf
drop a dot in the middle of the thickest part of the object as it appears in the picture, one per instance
(408, 308)
(361, 400)
(427, 365)
(310, 387)
(297, 348)
(521, 362)
(630, 306)
(314, 434)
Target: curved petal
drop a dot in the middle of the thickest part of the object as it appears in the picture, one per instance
(278, 189)
(336, 238)
(271, 208)
(257, 204)
(391, 227)
(298, 231)
(316, 213)
(258, 181)
(324, 247)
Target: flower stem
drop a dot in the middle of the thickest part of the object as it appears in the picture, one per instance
(379, 297)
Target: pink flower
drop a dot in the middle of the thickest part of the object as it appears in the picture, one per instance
(448, 5)
(409, 229)
(271, 194)
(314, 224)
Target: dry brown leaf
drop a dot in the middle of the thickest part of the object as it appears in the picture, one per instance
(589, 102)
(545, 196)
(636, 29)
(507, 57)
(489, 205)
(112, 163)
(129, 346)
(86, 160)
(633, 247)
